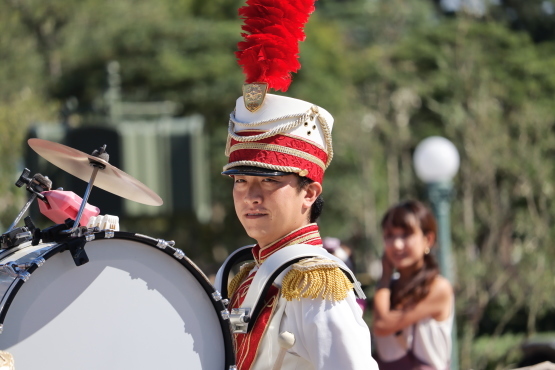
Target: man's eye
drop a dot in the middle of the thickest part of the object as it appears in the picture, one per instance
(239, 180)
(269, 179)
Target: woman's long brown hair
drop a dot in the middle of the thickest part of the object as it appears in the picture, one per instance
(408, 216)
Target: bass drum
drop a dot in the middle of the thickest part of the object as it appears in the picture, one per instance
(139, 303)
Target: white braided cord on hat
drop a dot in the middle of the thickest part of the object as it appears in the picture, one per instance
(261, 123)
(327, 136)
(263, 165)
(284, 127)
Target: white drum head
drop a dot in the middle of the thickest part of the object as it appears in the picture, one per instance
(131, 307)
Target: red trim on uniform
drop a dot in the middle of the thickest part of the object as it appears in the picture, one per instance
(261, 254)
(246, 345)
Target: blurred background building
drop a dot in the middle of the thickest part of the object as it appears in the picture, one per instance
(166, 153)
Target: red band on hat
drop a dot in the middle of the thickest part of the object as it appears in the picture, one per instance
(289, 142)
(288, 151)
(315, 172)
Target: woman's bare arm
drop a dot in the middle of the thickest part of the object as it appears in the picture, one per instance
(436, 305)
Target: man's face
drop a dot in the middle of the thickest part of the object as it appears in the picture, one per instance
(271, 207)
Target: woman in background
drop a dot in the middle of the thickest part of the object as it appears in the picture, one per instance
(413, 314)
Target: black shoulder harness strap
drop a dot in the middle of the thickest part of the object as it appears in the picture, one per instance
(244, 317)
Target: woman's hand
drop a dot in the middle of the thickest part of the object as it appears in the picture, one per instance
(387, 267)
(387, 272)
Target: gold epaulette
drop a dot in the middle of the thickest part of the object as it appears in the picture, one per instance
(316, 277)
(238, 279)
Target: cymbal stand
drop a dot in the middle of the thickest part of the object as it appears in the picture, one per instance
(101, 153)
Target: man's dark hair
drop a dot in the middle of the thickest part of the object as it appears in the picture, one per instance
(318, 205)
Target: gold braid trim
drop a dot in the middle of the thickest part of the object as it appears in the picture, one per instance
(316, 277)
(280, 129)
(238, 279)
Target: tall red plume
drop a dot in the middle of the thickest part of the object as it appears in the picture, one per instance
(270, 50)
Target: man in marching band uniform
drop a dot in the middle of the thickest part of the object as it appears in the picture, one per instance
(277, 158)
(294, 306)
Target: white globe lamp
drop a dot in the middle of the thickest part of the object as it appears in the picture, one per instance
(436, 159)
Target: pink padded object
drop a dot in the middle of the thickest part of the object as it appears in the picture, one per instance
(65, 204)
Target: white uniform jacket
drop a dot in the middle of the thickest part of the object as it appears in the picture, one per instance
(329, 334)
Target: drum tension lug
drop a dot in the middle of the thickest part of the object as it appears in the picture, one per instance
(77, 249)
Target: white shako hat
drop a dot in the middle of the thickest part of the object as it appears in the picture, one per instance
(273, 135)
(284, 135)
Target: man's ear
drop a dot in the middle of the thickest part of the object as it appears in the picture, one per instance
(312, 192)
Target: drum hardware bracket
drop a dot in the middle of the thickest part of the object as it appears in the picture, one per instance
(27, 235)
(19, 235)
(77, 249)
(35, 185)
(14, 269)
(97, 164)
(52, 233)
(217, 296)
(23, 275)
(108, 234)
(39, 261)
(162, 244)
(239, 318)
(15, 237)
(17, 270)
(179, 254)
(89, 236)
(102, 154)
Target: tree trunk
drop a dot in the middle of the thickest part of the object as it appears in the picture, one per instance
(392, 177)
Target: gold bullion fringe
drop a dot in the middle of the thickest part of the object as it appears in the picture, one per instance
(244, 271)
(325, 281)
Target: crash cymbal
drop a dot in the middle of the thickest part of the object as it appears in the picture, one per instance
(111, 179)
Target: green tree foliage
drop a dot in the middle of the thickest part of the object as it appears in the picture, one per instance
(21, 102)
(489, 91)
